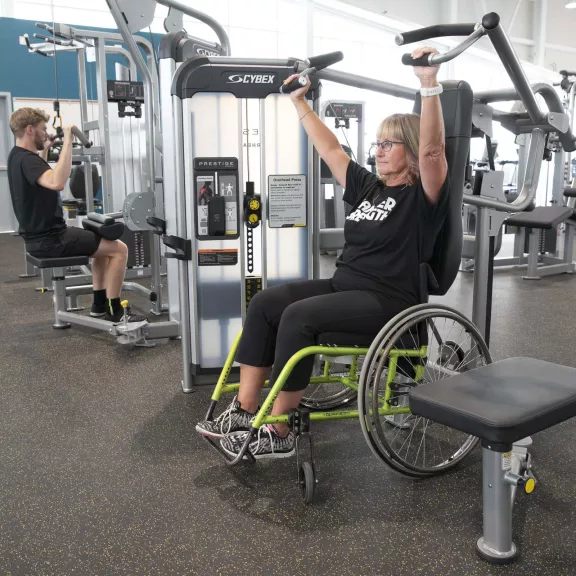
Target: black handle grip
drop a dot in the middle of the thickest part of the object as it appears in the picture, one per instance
(567, 73)
(407, 60)
(324, 60)
(81, 137)
(436, 31)
(293, 85)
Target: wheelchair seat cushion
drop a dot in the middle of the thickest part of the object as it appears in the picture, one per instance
(501, 402)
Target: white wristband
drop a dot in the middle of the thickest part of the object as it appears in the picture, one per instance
(432, 91)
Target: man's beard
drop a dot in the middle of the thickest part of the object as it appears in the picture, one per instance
(40, 144)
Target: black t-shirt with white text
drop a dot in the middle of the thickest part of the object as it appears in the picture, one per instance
(37, 209)
(388, 233)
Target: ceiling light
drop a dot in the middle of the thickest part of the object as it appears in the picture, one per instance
(571, 5)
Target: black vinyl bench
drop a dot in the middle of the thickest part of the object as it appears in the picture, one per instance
(501, 403)
(544, 218)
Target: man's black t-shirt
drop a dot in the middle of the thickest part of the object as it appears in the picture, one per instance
(388, 233)
(38, 209)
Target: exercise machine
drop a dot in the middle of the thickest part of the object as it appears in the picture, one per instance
(523, 396)
(342, 114)
(127, 124)
(535, 228)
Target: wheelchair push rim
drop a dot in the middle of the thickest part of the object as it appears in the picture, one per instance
(450, 344)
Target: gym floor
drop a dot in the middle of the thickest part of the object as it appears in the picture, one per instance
(101, 471)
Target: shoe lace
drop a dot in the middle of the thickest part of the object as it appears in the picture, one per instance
(268, 429)
(226, 416)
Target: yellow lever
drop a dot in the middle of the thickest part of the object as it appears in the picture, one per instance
(124, 303)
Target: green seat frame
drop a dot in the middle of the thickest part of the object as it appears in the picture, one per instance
(350, 380)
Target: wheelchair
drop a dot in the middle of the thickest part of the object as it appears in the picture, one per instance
(424, 343)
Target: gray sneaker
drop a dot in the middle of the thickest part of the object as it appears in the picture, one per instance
(234, 420)
(266, 444)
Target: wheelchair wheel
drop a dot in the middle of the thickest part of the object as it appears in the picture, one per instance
(330, 395)
(306, 481)
(424, 344)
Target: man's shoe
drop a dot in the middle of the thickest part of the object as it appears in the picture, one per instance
(98, 310)
(119, 316)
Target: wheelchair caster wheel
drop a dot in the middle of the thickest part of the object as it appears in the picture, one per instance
(306, 481)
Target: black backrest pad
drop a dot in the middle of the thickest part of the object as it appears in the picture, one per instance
(457, 110)
(78, 185)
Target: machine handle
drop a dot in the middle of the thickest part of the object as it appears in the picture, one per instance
(314, 64)
(432, 59)
(436, 31)
(299, 82)
(81, 137)
(324, 60)
(425, 60)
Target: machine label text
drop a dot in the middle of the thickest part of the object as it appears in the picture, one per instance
(251, 79)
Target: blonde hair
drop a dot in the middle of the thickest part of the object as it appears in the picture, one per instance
(404, 128)
(24, 117)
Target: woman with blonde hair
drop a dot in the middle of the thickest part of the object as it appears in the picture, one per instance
(391, 229)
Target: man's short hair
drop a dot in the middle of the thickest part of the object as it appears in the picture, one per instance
(26, 117)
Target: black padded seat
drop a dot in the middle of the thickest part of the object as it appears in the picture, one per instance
(345, 339)
(570, 192)
(57, 262)
(501, 402)
(544, 217)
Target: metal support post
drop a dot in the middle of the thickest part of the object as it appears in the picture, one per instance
(263, 195)
(104, 129)
(533, 253)
(315, 206)
(59, 283)
(83, 95)
(184, 285)
(496, 544)
(481, 269)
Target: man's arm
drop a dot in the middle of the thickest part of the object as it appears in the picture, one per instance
(56, 179)
(44, 153)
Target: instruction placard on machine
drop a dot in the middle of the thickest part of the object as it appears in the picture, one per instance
(226, 188)
(217, 198)
(223, 257)
(287, 200)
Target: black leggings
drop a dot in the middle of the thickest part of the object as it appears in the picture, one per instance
(284, 319)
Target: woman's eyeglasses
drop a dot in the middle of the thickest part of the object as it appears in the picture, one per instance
(386, 145)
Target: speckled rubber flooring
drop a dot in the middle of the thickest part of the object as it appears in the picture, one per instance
(101, 472)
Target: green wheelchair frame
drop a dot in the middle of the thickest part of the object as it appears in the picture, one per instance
(300, 418)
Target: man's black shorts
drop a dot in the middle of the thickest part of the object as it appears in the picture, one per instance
(69, 242)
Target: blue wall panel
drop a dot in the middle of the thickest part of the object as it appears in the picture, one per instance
(27, 75)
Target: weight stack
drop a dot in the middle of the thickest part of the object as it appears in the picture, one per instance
(139, 248)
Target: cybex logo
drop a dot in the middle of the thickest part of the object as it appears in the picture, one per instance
(251, 79)
(206, 52)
